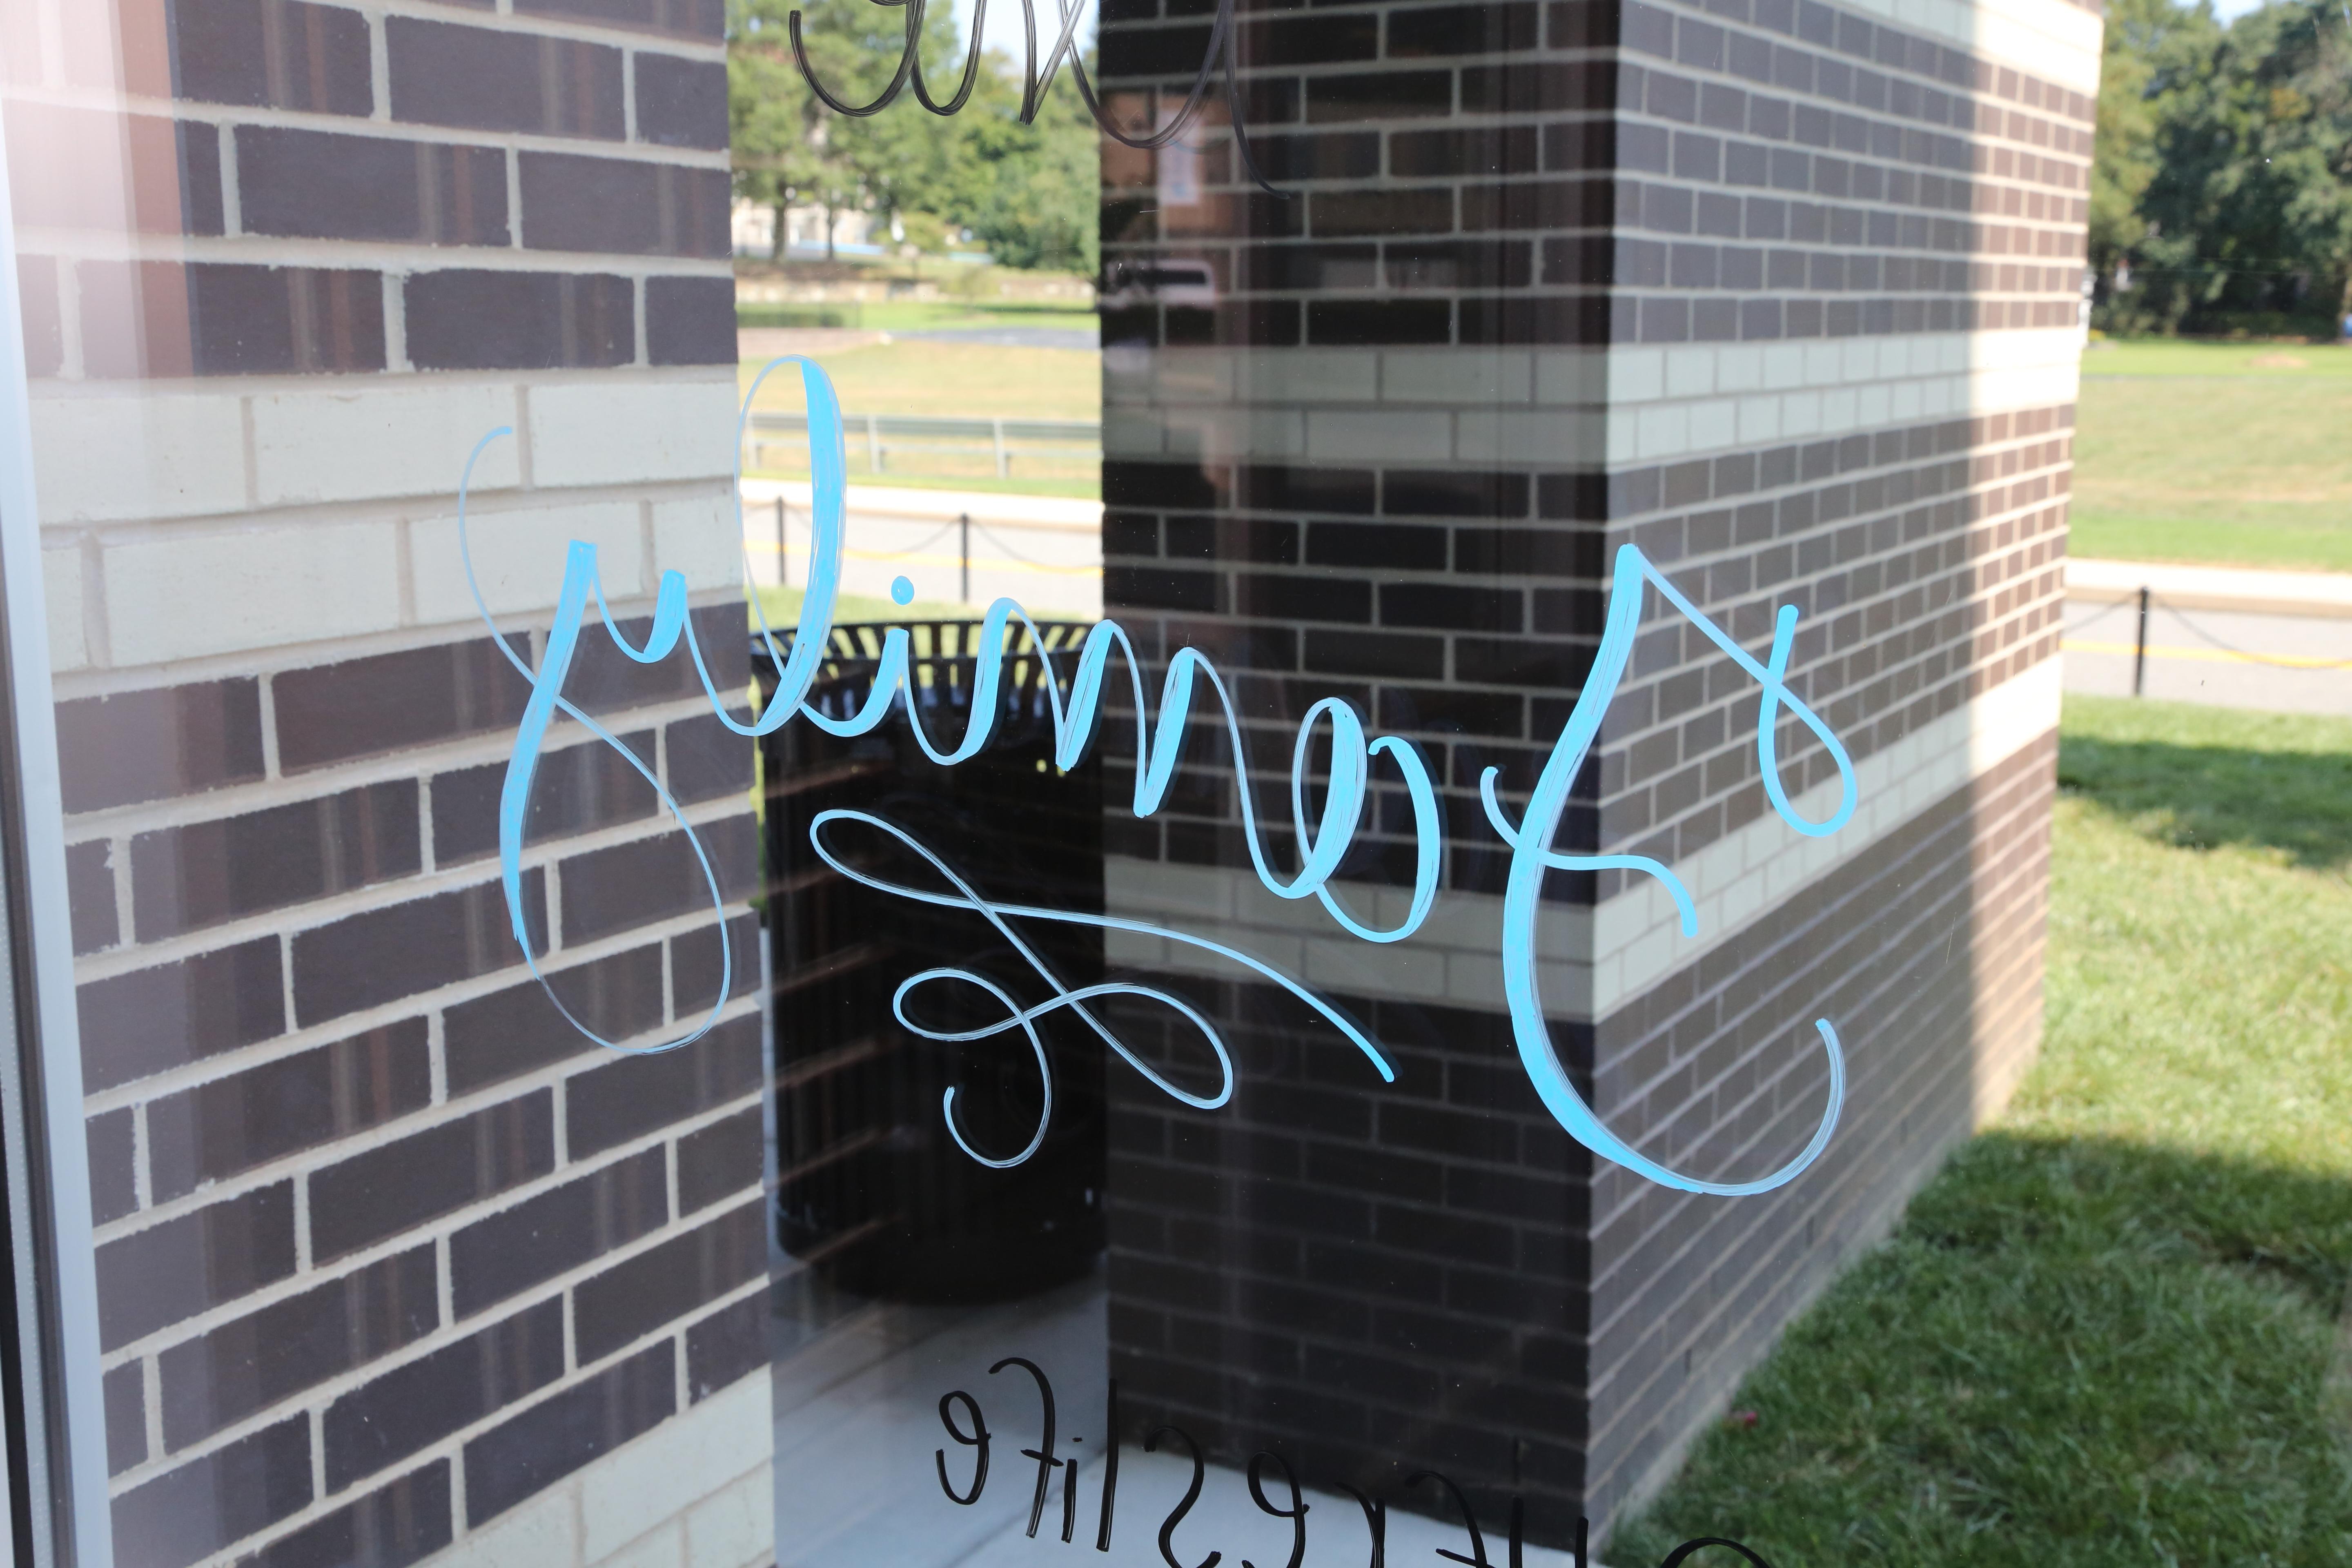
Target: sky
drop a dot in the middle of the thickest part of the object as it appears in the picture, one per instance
(1004, 24)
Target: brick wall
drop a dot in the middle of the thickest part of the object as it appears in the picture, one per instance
(1785, 293)
(391, 1261)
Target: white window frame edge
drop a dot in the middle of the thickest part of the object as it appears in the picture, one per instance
(55, 1268)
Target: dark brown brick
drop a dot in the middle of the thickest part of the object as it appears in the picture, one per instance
(389, 702)
(705, 759)
(681, 103)
(1387, 95)
(258, 1360)
(612, 204)
(389, 1528)
(719, 1160)
(637, 1094)
(572, 791)
(125, 1390)
(218, 1128)
(634, 884)
(193, 1510)
(151, 1019)
(186, 878)
(1426, 209)
(551, 1439)
(634, 1297)
(730, 1344)
(385, 1420)
(690, 320)
(89, 893)
(604, 678)
(467, 318)
(113, 1176)
(1154, 51)
(445, 73)
(518, 1029)
(273, 54)
(316, 184)
(695, 959)
(1355, 321)
(165, 319)
(173, 1270)
(1375, 654)
(381, 956)
(393, 1187)
(1299, 597)
(153, 745)
(1439, 493)
(678, 19)
(558, 1230)
(1490, 150)
(1348, 155)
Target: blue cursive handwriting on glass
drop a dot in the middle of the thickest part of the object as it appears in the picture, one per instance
(1323, 837)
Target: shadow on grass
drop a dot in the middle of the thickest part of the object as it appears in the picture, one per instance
(2284, 783)
(2076, 1352)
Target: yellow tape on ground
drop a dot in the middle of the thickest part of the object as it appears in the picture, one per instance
(2206, 655)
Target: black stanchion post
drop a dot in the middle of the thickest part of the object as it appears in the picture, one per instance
(2139, 650)
(963, 524)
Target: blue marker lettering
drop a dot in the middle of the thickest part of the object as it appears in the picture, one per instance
(1323, 838)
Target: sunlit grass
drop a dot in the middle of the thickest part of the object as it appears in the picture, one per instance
(2237, 453)
(975, 380)
(2103, 1335)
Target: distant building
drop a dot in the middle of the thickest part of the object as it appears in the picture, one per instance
(753, 227)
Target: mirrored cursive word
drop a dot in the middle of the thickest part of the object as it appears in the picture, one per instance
(1323, 837)
(1218, 56)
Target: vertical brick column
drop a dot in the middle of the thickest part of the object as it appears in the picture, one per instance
(1785, 293)
(393, 1263)
(1850, 268)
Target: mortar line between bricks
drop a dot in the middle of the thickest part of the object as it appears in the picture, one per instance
(295, 921)
(431, 1232)
(226, 1064)
(323, 1394)
(197, 112)
(291, 656)
(419, 764)
(553, 26)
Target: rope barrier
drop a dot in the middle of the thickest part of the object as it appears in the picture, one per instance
(2278, 661)
(2289, 661)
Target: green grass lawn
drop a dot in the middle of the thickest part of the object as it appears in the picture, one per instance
(975, 380)
(2108, 1332)
(2234, 453)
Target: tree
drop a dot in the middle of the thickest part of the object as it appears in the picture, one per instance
(1028, 191)
(1036, 195)
(2243, 176)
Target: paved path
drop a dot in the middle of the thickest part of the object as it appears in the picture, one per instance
(2280, 641)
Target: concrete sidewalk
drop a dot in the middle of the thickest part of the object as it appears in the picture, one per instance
(2275, 641)
(2188, 587)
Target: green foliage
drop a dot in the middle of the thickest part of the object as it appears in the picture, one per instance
(2224, 165)
(1028, 192)
(2107, 1333)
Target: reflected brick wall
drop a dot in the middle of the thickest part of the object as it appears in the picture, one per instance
(392, 1262)
(1788, 295)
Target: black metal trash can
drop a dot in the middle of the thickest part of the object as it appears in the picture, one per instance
(874, 1194)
